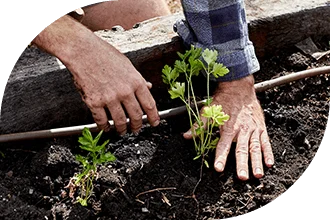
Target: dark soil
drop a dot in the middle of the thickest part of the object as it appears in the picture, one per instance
(155, 174)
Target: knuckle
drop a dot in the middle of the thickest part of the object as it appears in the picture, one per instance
(150, 105)
(255, 148)
(120, 122)
(93, 102)
(125, 94)
(244, 127)
(136, 119)
(241, 151)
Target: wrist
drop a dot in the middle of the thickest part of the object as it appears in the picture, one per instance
(243, 85)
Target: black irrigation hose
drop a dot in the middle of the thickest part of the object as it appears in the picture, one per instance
(76, 130)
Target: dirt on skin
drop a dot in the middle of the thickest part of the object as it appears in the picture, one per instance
(155, 174)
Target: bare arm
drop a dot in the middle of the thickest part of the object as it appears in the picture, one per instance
(105, 77)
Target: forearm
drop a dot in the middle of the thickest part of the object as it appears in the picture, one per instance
(221, 25)
(73, 43)
(59, 38)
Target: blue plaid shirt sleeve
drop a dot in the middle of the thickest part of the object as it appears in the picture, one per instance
(220, 25)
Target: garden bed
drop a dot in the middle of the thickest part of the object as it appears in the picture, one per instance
(155, 174)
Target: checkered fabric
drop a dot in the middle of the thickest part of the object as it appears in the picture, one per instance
(220, 25)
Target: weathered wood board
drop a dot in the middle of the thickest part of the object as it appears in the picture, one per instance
(40, 93)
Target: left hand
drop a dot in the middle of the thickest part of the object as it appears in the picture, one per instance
(246, 126)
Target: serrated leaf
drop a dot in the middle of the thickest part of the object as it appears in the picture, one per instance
(180, 66)
(195, 66)
(185, 55)
(210, 56)
(87, 134)
(167, 74)
(84, 141)
(195, 52)
(208, 111)
(221, 119)
(107, 157)
(87, 148)
(177, 90)
(83, 160)
(219, 70)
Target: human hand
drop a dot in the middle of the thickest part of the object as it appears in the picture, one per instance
(106, 78)
(246, 126)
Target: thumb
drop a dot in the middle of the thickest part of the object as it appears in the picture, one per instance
(190, 133)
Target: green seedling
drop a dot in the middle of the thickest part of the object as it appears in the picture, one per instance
(96, 156)
(191, 63)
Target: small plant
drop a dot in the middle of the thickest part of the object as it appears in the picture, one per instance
(191, 64)
(96, 156)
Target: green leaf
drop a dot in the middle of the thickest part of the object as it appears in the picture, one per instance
(198, 156)
(87, 134)
(185, 55)
(177, 90)
(206, 164)
(221, 119)
(208, 101)
(214, 142)
(97, 138)
(208, 111)
(83, 160)
(199, 131)
(195, 52)
(87, 148)
(107, 157)
(82, 202)
(180, 66)
(84, 141)
(167, 74)
(219, 70)
(105, 143)
(195, 66)
(210, 56)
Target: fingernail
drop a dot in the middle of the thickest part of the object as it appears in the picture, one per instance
(243, 174)
(188, 132)
(219, 166)
(258, 171)
(270, 162)
(155, 123)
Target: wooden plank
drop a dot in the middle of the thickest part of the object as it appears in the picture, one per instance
(40, 93)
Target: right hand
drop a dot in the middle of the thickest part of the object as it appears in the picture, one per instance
(107, 79)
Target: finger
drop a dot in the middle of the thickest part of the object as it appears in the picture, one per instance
(191, 132)
(78, 14)
(242, 155)
(255, 154)
(148, 104)
(101, 119)
(222, 150)
(267, 149)
(134, 112)
(118, 117)
(149, 85)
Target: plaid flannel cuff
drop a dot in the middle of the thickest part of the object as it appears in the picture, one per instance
(220, 25)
